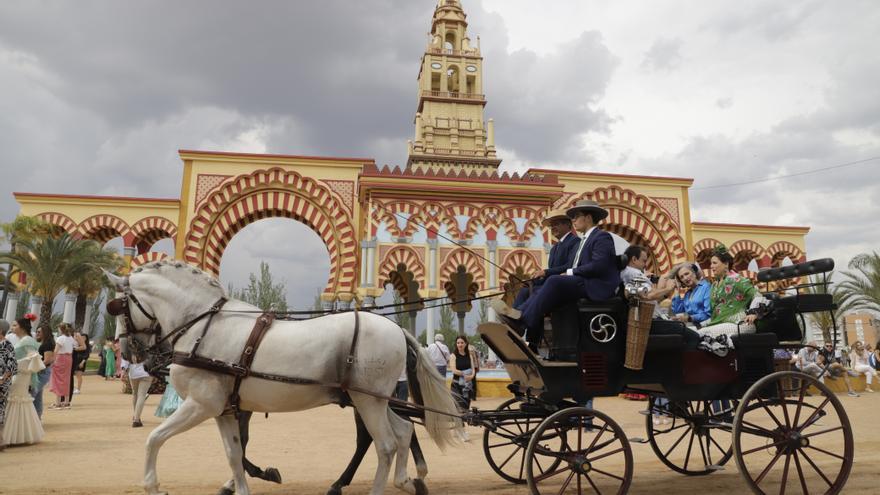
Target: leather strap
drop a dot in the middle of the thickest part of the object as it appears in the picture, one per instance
(247, 355)
(352, 354)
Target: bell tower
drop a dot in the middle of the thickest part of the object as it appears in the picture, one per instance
(450, 131)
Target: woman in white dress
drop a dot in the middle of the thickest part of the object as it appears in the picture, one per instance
(23, 426)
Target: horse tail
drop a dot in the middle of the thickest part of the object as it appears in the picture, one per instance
(429, 389)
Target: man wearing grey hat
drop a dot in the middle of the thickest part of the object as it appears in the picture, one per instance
(593, 275)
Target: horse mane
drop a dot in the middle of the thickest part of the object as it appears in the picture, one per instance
(172, 267)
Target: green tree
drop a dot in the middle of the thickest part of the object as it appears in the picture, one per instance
(97, 306)
(447, 316)
(263, 293)
(22, 228)
(51, 263)
(861, 286)
(88, 279)
(403, 318)
(822, 320)
(108, 329)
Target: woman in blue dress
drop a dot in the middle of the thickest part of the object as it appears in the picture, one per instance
(170, 400)
(694, 306)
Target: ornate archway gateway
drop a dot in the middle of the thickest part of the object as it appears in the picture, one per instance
(275, 192)
(450, 191)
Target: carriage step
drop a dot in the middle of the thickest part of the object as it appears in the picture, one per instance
(714, 467)
(638, 440)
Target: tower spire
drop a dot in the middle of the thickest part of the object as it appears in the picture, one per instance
(450, 130)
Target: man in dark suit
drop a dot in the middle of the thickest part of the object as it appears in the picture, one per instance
(593, 275)
(561, 254)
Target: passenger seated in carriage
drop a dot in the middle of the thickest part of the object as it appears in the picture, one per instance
(693, 307)
(593, 275)
(637, 260)
(731, 295)
(561, 254)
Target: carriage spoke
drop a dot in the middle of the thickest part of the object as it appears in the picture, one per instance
(687, 456)
(608, 474)
(763, 447)
(784, 474)
(538, 463)
(590, 480)
(702, 450)
(783, 401)
(504, 444)
(768, 468)
(816, 468)
(832, 454)
(580, 488)
(757, 430)
(501, 466)
(593, 443)
(802, 391)
(769, 412)
(720, 448)
(822, 432)
(800, 471)
(546, 476)
(606, 454)
(565, 483)
(815, 414)
(676, 444)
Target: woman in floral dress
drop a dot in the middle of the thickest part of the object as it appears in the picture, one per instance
(8, 369)
(731, 295)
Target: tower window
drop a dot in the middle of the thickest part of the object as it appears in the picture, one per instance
(450, 41)
(452, 79)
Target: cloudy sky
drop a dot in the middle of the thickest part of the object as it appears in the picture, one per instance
(96, 97)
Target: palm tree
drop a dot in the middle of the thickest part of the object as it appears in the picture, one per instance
(822, 320)
(88, 280)
(22, 228)
(51, 263)
(861, 287)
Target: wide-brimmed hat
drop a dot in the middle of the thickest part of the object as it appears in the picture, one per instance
(588, 206)
(554, 215)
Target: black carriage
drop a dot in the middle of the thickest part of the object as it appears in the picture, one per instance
(786, 430)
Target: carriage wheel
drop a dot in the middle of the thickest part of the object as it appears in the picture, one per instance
(589, 447)
(787, 441)
(696, 441)
(505, 445)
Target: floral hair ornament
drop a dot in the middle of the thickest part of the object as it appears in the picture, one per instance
(30, 316)
(720, 250)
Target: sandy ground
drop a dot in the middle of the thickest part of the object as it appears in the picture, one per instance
(92, 449)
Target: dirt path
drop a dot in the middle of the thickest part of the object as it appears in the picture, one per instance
(92, 449)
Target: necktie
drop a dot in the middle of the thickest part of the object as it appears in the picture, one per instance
(577, 257)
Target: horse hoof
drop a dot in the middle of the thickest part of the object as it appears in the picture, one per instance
(335, 490)
(420, 486)
(226, 491)
(272, 474)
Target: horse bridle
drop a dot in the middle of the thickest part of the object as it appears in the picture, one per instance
(121, 307)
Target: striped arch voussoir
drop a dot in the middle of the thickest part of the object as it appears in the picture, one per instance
(405, 255)
(705, 245)
(273, 193)
(532, 221)
(779, 250)
(60, 220)
(472, 264)
(102, 228)
(747, 246)
(520, 259)
(152, 229)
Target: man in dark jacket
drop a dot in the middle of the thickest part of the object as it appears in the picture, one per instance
(561, 254)
(593, 274)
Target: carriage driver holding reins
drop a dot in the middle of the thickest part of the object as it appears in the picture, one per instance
(593, 275)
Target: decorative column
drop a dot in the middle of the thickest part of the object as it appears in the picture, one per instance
(69, 315)
(429, 317)
(36, 306)
(371, 262)
(11, 306)
(128, 252)
(87, 322)
(490, 138)
(364, 256)
(432, 262)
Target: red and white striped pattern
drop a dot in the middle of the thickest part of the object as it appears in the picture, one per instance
(522, 259)
(102, 228)
(60, 220)
(273, 193)
(779, 250)
(152, 229)
(407, 256)
(471, 263)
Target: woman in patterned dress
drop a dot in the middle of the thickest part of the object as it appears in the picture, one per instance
(8, 369)
(731, 295)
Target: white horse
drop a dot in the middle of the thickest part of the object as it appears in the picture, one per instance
(174, 294)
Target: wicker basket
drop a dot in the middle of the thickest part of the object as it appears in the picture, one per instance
(637, 330)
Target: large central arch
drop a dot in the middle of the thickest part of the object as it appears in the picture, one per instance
(274, 193)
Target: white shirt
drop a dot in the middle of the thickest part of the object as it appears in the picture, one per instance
(439, 353)
(64, 344)
(577, 257)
